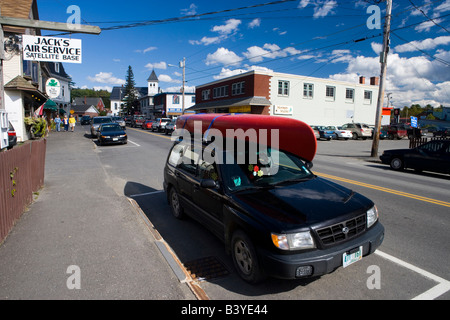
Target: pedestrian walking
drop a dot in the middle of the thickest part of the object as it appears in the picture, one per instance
(66, 123)
(72, 122)
(58, 123)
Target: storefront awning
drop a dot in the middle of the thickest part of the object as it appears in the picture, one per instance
(50, 105)
(22, 84)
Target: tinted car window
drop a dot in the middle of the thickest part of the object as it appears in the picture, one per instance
(433, 146)
(102, 120)
(111, 127)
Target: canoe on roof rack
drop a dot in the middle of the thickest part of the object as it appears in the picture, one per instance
(295, 136)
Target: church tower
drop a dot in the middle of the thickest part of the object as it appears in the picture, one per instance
(153, 84)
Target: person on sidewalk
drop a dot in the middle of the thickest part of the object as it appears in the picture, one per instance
(66, 123)
(72, 122)
(58, 123)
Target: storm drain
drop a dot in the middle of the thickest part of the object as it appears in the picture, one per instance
(206, 268)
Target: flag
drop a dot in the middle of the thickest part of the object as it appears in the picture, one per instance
(39, 111)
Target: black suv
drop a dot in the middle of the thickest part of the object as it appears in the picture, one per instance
(276, 217)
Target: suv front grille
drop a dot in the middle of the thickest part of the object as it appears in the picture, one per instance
(342, 231)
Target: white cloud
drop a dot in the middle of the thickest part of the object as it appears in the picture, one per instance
(208, 40)
(270, 51)
(157, 65)
(188, 89)
(167, 78)
(426, 44)
(223, 56)
(225, 73)
(254, 23)
(230, 26)
(107, 88)
(106, 77)
(146, 50)
(322, 8)
(192, 10)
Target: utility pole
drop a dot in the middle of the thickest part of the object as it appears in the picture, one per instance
(383, 60)
(183, 65)
(2, 57)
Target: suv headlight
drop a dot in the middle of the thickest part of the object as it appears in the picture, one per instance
(372, 216)
(293, 241)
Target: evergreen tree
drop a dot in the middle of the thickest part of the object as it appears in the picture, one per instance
(131, 104)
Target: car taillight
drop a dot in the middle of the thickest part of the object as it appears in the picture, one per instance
(12, 133)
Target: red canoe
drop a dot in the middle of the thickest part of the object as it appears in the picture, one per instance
(294, 136)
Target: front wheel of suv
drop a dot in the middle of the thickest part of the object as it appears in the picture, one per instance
(245, 258)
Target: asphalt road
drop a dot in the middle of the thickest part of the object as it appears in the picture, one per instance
(412, 262)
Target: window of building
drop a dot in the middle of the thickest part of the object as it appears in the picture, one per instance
(176, 99)
(308, 89)
(205, 94)
(193, 99)
(238, 88)
(283, 88)
(220, 92)
(330, 93)
(57, 67)
(349, 94)
(367, 96)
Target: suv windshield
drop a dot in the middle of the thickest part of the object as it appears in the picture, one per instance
(272, 168)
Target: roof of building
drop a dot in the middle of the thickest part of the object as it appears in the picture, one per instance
(19, 9)
(60, 73)
(153, 77)
(83, 107)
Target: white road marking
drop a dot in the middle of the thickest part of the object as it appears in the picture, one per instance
(134, 143)
(438, 290)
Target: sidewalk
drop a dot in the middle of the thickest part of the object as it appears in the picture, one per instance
(78, 220)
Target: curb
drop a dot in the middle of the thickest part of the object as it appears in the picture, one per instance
(171, 258)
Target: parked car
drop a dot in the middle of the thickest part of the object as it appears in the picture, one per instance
(359, 130)
(159, 124)
(325, 133)
(396, 131)
(316, 132)
(340, 133)
(119, 120)
(111, 133)
(431, 156)
(170, 127)
(96, 122)
(12, 137)
(137, 121)
(289, 224)
(383, 132)
(128, 120)
(441, 132)
(85, 120)
(147, 124)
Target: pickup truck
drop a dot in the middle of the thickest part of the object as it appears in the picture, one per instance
(137, 121)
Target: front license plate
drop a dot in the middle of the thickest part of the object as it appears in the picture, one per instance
(115, 139)
(349, 258)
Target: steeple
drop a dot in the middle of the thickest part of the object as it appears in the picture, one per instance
(153, 86)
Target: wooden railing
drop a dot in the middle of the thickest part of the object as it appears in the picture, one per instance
(21, 173)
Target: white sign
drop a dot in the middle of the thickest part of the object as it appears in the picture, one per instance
(287, 110)
(53, 88)
(39, 48)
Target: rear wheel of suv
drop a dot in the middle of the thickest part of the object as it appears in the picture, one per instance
(175, 205)
(354, 136)
(245, 258)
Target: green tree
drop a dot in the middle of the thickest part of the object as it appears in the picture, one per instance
(131, 103)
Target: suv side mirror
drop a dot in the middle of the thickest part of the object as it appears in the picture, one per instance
(208, 183)
(309, 165)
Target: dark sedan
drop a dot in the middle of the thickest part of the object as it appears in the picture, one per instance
(431, 156)
(111, 133)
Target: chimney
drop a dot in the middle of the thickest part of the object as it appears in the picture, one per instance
(362, 80)
(374, 81)
(84, 99)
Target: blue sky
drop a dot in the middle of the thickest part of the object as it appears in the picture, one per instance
(305, 37)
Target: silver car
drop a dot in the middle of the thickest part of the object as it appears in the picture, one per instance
(119, 120)
(96, 122)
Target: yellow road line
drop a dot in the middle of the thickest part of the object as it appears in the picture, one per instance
(392, 191)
